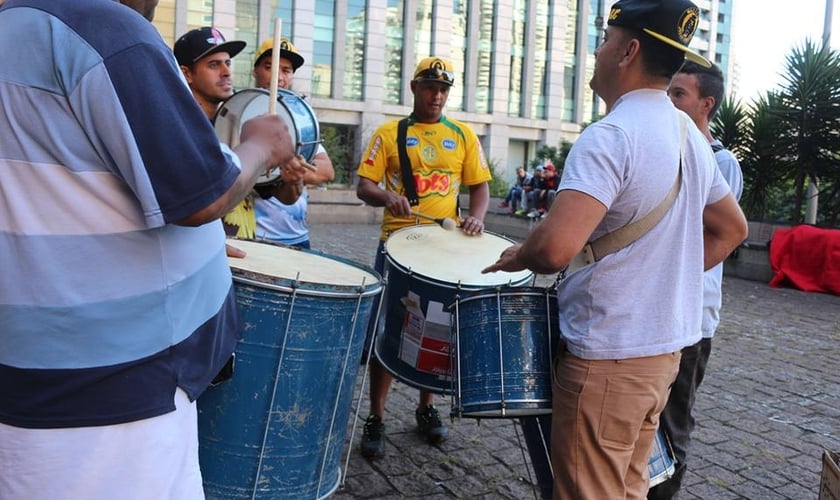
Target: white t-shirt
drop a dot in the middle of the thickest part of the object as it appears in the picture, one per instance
(713, 278)
(154, 458)
(643, 300)
(281, 223)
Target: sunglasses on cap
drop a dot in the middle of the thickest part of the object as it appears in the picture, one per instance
(436, 74)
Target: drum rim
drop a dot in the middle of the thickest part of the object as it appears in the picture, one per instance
(514, 292)
(297, 139)
(286, 284)
(471, 287)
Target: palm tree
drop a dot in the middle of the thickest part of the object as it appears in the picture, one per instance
(765, 158)
(810, 111)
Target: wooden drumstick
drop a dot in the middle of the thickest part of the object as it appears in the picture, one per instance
(305, 164)
(444, 222)
(275, 73)
(275, 68)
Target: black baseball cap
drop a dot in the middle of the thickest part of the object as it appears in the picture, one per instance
(201, 42)
(670, 21)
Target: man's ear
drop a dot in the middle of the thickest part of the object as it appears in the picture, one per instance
(708, 104)
(632, 49)
(186, 71)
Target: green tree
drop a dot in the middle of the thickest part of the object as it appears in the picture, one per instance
(557, 155)
(810, 112)
(338, 141)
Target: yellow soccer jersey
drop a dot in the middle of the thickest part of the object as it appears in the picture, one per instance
(443, 156)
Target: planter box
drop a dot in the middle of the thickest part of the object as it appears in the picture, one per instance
(830, 480)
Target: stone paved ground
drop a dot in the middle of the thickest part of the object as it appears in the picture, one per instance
(768, 407)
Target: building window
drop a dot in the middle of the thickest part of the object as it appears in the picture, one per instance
(539, 89)
(322, 48)
(393, 51)
(165, 21)
(458, 44)
(423, 29)
(247, 16)
(354, 53)
(570, 61)
(517, 57)
(199, 13)
(280, 9)
(484, 71)
(339, 140)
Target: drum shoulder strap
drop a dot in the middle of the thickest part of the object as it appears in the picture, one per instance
(624, 236)
(409, 186)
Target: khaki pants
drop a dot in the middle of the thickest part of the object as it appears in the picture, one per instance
(605, 415)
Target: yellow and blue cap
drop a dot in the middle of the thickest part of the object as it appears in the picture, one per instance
(435, 69)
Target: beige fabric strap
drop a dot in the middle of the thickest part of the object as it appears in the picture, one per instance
(622, 237)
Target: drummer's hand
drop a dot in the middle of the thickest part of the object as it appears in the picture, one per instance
(293, 172)
(234, 252)
(398, 205)
(270, 131)
(508, 261)
(472, 226)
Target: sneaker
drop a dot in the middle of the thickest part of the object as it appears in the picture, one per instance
(373, 437)
(430, 425)
(503, 204)
(521, 211)
(533, 213)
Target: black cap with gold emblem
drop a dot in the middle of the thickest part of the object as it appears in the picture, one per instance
(670, 21)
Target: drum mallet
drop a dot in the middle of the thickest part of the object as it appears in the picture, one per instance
(444, 222)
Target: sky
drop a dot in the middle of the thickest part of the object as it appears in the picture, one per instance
(765, 31)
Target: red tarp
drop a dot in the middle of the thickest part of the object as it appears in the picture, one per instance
(807, 258)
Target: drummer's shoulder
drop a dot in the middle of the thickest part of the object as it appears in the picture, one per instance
(388, 129)
(463, 129)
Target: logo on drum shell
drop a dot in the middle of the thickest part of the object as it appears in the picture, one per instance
(449, 144)
(412, 141)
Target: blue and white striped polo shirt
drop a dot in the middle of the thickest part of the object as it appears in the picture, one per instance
(105, 305)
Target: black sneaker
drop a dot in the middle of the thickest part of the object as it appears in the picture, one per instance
(429, 424)
(373, 437)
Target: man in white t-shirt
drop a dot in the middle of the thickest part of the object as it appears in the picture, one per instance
(625, 317)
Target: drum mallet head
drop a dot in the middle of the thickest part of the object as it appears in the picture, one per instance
(444, 222)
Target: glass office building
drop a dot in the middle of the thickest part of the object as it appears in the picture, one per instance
(523, 66)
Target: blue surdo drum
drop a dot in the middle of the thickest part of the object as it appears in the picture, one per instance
(276, 428)
(504, 342)
(426, 268)
(292, 108)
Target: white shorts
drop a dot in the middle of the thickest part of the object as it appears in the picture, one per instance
(155, 458)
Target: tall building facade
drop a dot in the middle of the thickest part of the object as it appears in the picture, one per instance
(523, 66)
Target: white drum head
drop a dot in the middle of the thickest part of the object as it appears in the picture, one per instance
(451, 256)
(278, 263)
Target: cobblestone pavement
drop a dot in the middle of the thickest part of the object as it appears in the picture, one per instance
(769, 405)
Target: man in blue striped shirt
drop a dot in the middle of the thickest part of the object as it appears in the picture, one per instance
(116, 297)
